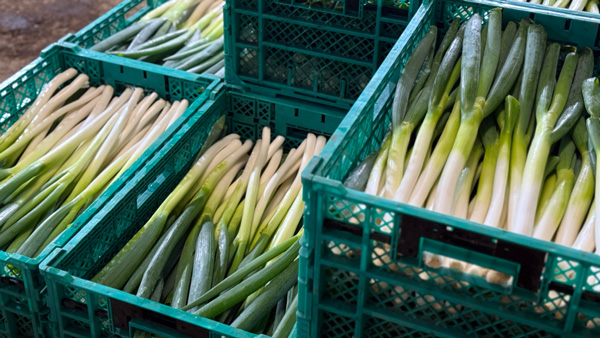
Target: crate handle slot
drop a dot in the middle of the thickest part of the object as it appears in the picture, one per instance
(589, 296)
(126, 314)
(14, 282)
(73, 305)
(81, 307)
(465, 255)
(353, 6)
(524, 263)
(354, 230)
(470, 246)
(586, 295)
(136, 324)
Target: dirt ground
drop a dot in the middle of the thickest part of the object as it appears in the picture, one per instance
(28, 26)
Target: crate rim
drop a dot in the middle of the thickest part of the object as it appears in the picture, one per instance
(313, 173)
(181, 74)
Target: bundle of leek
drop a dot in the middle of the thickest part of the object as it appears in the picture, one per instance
(180, 34)
(67, 148)
(493, 163)
(225, 243)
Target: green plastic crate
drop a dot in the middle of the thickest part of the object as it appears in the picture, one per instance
(23, 310)
(361, 272)
(286, 48)
(82, 308)
(121, 16)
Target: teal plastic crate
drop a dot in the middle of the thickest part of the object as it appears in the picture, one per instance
(82, 308)
(23, 310)
(121, 16)
(361, 273)
(300, 50)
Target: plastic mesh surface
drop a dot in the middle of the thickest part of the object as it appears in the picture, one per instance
(306, 51)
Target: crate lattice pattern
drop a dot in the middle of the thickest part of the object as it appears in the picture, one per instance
(304, 49)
